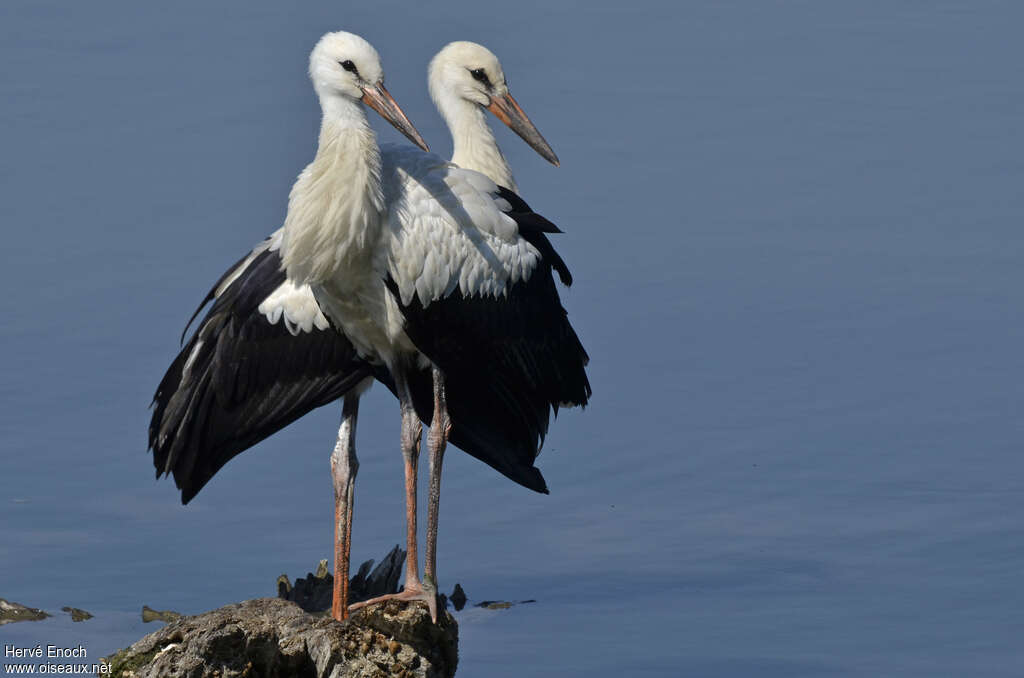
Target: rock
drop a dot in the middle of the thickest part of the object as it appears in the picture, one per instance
(77, 615)
(314, 592)
(495, 604)
(382, 581)
(501, 604)
(151, 615)
(274, 638)
(459, 600)
(458, 597)
(16, 612)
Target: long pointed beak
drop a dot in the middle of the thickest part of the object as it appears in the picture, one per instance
(380, 100)
(508, 111)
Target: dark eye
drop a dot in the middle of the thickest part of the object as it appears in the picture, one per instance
(348, 66)
(479, 75)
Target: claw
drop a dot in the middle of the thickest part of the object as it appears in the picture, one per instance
(423, 593)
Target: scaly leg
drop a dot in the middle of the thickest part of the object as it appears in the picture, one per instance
(344, 467)
(411, 432)
(437, 441)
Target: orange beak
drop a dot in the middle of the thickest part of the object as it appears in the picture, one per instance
(380, 100)
(508, 111)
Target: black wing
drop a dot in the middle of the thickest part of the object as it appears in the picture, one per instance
(240, 379)
(509, 362)
(533, 228)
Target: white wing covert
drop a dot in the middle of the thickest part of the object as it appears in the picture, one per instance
(447, 228)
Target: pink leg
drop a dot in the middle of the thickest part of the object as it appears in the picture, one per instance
(438, 440)
(344, 466)
(411, 432)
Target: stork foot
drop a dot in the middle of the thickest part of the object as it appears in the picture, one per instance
(421, 592)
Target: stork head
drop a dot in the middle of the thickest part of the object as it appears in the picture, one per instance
(470, 72)
(345, 66)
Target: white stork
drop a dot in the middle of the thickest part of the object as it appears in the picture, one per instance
(465, 79)
(265, 354)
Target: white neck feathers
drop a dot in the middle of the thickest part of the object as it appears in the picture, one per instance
(474, 145)
(335, 207)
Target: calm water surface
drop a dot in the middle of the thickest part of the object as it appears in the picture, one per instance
(796, 233)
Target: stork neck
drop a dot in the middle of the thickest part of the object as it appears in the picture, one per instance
(346, 135)
(335, 206)
(474, 145)
(340, 112)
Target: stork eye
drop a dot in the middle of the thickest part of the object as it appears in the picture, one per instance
(478, 74)
(348, 66)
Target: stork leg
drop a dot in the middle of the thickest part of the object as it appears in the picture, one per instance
(440, 427)
(411, 432)
(344, 466)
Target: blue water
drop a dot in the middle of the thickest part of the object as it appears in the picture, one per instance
(796, 233)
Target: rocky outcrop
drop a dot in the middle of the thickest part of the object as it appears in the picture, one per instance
(313, 593)
(77, 613)
(274, 638)
(15, 612)
(151, 615)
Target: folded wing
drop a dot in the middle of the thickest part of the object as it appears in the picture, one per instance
(263, 356)
(472, 271)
